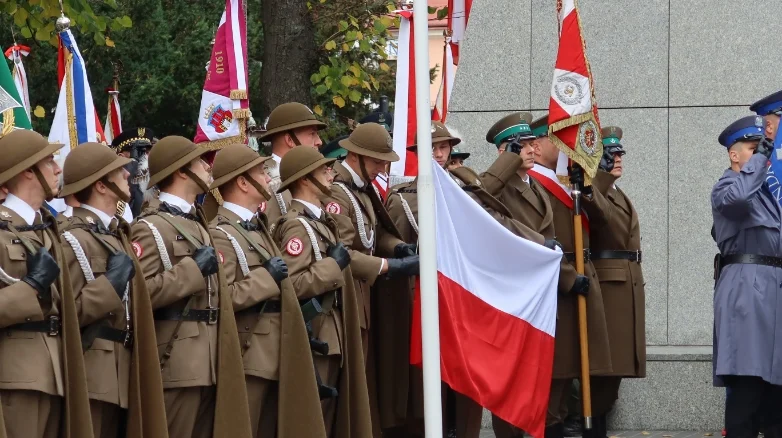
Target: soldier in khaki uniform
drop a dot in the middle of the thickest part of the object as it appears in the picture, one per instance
(616, 254)
(42, 378)
(205, 394)
(264, 301)
(289, 125)
(319, 267)
(364, 225)
(400, 385)
(567, 362)
(109, 293)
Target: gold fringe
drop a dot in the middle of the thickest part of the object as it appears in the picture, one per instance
(243, 129)
(241, 113)
(8, 122)
(238, 94)
(587, 162)
(69, 103)
(216, 145)
(216, 194)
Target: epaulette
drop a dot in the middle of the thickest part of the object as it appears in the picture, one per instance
(407, 190)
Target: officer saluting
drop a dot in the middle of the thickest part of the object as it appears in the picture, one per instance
(747, 308)
(276, 372)
(289, 125)
(196, 331)
(39, 328)
(109, 292)
(319, 267)
(134, 144)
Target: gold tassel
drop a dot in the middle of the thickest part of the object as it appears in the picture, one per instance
(220, 143)
(589, 163)
(238, 94)
(69, 103)
(8, 122)
(241, 113)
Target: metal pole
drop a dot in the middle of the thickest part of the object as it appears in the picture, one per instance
(430, 329)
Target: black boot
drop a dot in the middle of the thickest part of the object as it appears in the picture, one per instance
(572, 426)
(600, 427)
(555, 431)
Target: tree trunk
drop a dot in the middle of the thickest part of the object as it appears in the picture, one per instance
(289, 54)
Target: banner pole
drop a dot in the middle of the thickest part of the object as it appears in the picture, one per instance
(586, 393)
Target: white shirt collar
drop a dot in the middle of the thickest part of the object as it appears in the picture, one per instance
(243, 213)
(68, 212)
(277, 159)
(106, 219)
(314, 209)
(21, 208)
(356, 179)
(526, 178)
(550, 174)
(176, 201)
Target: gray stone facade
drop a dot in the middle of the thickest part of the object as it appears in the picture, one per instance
(672, 74)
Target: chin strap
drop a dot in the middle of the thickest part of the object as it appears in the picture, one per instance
(124, 197)
(47, 190)
(201, 183)
(326, 190)
(363, 168)
(265, 193)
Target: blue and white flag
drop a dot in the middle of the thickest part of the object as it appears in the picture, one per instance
(775, 170)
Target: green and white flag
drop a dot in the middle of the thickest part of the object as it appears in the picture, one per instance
(9, 99)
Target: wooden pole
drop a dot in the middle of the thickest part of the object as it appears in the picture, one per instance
(586, 394)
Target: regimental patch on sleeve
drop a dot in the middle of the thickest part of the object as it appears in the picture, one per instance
(333, 208)
(221, 257)
(262, 207)
(294, 246)
(137, 249)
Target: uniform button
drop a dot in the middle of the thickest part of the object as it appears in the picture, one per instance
(176, 336)
(28, 319)
(247, 327)
(111, 313)
(335, 284)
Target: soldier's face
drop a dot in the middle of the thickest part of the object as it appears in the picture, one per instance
(374, 167)
(741, 152)
(455, 163)
(441, 151)
(258, 173)
(51, 173)
(202, 169)
(308, 136)
(120, 178)
(545, 152)
(617, 170)
(324, 176)
(772, 123)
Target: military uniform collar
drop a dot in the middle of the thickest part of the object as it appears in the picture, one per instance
(315, 211)
(277, 159)
(243, 213)
(356, 179)
(176, 201)
(21, 208)
(68, 212)
(104, 218)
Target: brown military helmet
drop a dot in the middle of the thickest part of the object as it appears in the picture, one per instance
(510, 125)
(171, 154)
(289, 116)
(234, 160)
(300, 162)
(440, 133)
(371, 140)
(21, 150)
(88, 163)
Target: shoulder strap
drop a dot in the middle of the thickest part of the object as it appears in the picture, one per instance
(264, 254)
(181, 231)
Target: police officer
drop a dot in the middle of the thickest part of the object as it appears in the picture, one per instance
(196, 330)
(264, 301)
(567, 363)
(289, 125)
(109, 292)
(748, 230)
(365, 227)
(616, 255)
(319, 267)
(135, 144)
(39, 326)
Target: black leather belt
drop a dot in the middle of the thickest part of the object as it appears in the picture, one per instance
(571, 256)
(209, 316)
(320, 298)
(268, 306)
(748, 259)
(633, 256)
(51, 326)
(124, 337)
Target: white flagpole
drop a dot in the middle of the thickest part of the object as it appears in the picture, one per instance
(430, 328)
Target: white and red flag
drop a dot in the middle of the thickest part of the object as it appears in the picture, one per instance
(574, 126)
(225, 107)
(497, 298)
(404, 103)
(113, 126)
(458, 16)
(15, 54)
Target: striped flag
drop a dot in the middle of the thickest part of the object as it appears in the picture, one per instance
(404, 103)
(497, 313)
(12, 108)
(574, 126)
(15, 54)
(113, 126)
(225, 106)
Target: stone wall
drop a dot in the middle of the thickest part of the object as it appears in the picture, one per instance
(672, 74)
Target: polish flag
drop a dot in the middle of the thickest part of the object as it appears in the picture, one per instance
(440, 111)
(497, 304)
(458, 16)
(574, 126)
(404, 103)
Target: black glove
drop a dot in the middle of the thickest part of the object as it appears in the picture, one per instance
(405, 250)
(406, 266)
(206, 259)
(765, 147)
(119, 270)
(514, 146)
(577, 179)
(581, 285)
(606, 161)
(42, 270)
(277, 269)
(340, 254)
(552, 244)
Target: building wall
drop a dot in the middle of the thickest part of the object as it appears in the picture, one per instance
(672, 74)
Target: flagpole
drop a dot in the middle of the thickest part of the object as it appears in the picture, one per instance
(430, 329)
(586, 393)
